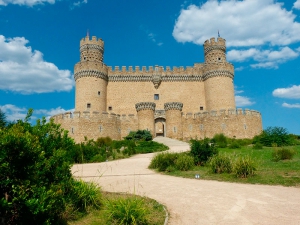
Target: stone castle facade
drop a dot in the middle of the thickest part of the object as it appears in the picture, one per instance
(181, 103)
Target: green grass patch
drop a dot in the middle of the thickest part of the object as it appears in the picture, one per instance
(122, 206)
(268, 171)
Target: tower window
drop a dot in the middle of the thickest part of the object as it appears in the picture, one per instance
(100, 128)
(88, 105)
(156, 96)
(99, 93)
(109, 108)
(174, 129)
(219, 59)
(201, 107)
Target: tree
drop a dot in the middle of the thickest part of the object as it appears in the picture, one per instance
(277, 136)
(3, 121)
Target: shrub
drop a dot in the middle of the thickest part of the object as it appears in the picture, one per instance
(202, 150)
(257, 145)
(139, 135)
(184, 162)
(220, 164)
(127, 211)
(277, 135)
(282, 154)
(163, 160)
(150, 146)
(244, 167)
(234, 145)
(220, 140)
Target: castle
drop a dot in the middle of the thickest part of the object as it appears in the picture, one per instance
(180, 103)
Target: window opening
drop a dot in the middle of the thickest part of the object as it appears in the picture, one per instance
(109, 108)
(201, 107)
(98, 92)
(88, 105)
(156, 96)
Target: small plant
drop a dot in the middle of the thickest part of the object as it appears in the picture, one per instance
(202, 150)
(283, 154)
(127, 211)
(184, 162)
(220, 164)
(234, 145)
(244, 167)
(171, 169)
(220, 140)
(257, 145)
(163, 160)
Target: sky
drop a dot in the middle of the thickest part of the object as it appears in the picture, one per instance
(39, 46)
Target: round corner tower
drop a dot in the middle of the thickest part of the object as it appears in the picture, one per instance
(218, 76)
(173, 119)
(91, 76)
(145, 113)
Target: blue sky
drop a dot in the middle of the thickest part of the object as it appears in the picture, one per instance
(39, 45)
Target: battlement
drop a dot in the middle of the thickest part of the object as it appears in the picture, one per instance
(212, 42)
(91, 115)
(94, 41)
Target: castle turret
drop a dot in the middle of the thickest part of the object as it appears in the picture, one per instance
(91, 76)
(218, 76)
(145, 113)
(173, 119)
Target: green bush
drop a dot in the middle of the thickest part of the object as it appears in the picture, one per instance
(202, 150)
(283, 154)
(163, 160)
(274, 135)
(127, 211)
(234, 145)
(220, 140)
(257, 145)
(220, 164)
(150, 146)
(244, 167)
(139, 135)
(184, 162)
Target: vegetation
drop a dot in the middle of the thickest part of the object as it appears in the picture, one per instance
(202, 150)
(244, 167)
(283, 154)
(220, 140)
(138, 135)
(220, 163)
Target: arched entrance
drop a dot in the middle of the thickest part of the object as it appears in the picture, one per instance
(160, 127)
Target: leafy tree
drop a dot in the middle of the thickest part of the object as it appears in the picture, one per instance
(35, 175)
(3, 121)
(202, 150)
(271, 136)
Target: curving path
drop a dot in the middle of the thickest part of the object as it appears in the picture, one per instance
(191, 201)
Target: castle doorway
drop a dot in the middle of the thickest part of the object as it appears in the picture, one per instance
(160, 127)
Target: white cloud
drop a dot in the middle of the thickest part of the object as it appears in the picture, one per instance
(24, 70)
(297, 4)
(266, 58)
(243, 23)
(25, 2)
(291, 92)
(242, 101)
(14, 113)
(79, 3)
(296, 105)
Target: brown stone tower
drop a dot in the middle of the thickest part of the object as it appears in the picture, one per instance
(145, 113)
(91, 76)
(218, 76)
(173, 119)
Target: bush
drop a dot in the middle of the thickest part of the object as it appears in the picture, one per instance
(127, 211)
(184, 162)
(282, 154)
(274, 135)
(257, 145)
(220, 164)
(234, 145)
(220, 140)
(139, 135)
(244, 167)
(202, 150)
(163, 160)
(150, 146)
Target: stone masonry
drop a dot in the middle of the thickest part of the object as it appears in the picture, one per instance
(178, 102)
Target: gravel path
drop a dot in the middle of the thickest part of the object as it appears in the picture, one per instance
(191, 201)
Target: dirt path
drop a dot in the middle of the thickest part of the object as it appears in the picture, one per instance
(191, 201)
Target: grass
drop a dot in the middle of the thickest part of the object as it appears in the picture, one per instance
(155, 211)
(270, 172)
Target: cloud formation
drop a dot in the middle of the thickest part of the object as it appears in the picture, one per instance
(25, 2)
(78, 3)
(242, 101)
(248, 25)
(243, 23)
(297, 4)
(14, 113)
(286, 105)
(24, 70)
(290, 92)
